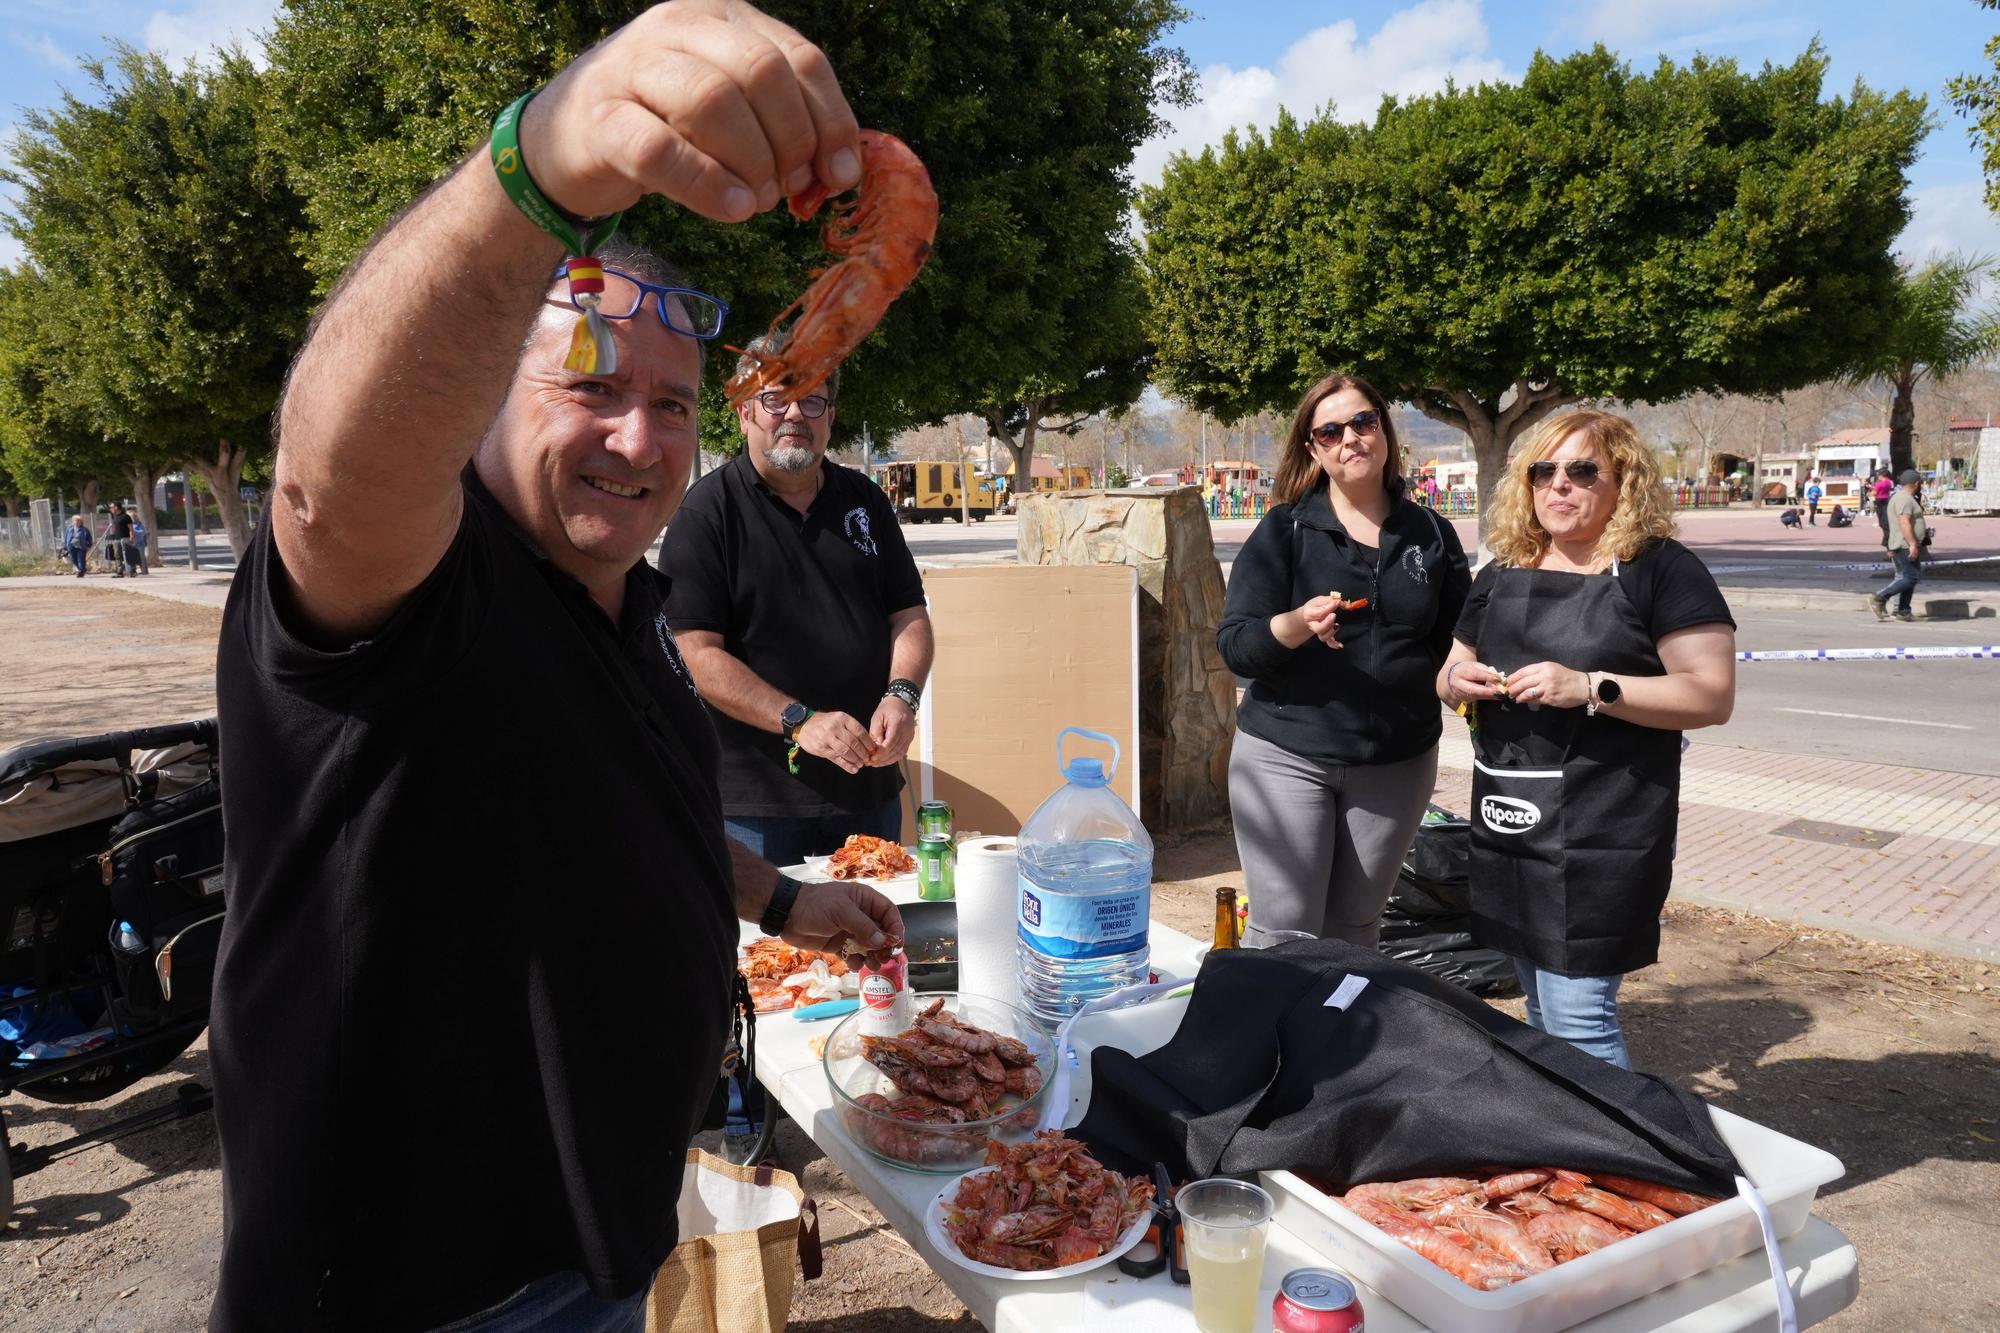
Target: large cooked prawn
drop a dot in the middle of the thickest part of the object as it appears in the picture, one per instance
(883, 238)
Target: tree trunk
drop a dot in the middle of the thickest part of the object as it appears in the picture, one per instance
(1493, 425)
(224, 474)
(1903, 420)
(86, 504)
(143, 477)
(1022, 450)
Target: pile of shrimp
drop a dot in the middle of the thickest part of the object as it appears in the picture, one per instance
(782, 977)
(947, 1072)
(1491, 1231)
(1046, 1203)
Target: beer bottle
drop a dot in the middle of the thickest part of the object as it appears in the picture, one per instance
(1226, 936)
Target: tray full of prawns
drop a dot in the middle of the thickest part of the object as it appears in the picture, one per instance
(1506, 1249)
(967, 1072)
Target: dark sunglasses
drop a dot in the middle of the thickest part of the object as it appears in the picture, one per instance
(811, 408)
(1583, 472)
(1332, 432)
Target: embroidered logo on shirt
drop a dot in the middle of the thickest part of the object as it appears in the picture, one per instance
(1413, 564)
(673, 652)
(855, 525)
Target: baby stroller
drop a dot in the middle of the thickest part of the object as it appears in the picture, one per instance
(111, 908)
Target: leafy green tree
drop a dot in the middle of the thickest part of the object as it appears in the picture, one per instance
(1026, 113)
(1930, 330)
(49, 443)
(158, 218)
(1495, 253)
(1977, 97)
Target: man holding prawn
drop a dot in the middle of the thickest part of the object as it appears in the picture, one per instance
(473, 985)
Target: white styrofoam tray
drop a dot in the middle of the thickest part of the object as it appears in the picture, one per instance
(1788, 1173)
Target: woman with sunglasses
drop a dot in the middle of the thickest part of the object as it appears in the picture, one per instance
(1340, 610)
(1590, 642)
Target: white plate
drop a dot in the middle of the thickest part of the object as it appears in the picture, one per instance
(818, 866)
(934, 1228)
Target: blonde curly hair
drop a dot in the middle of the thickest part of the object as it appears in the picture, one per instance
(1518, 538)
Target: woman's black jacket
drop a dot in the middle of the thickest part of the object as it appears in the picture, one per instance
(1375, 700)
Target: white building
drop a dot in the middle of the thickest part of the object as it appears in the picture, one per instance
(1782, 476)
(1843, 460)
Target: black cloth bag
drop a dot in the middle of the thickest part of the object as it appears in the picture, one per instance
(1414, 1077)
(1427, 922)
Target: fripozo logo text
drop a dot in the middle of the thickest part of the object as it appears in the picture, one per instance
(1508, 814)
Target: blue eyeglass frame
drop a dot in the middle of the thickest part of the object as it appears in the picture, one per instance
(660, 295)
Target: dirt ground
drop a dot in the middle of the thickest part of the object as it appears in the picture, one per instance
(1884, 1056)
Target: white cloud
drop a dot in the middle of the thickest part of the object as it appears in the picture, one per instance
(1947, 218)
(1413, 53)
(43, 45)
(1617, 22)
(193, 33)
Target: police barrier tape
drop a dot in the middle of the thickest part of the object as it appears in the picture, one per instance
(1987, 651)
(1881, 566)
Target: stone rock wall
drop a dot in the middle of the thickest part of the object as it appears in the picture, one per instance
(1187, 697)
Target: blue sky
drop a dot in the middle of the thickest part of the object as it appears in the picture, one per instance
(1256, 55)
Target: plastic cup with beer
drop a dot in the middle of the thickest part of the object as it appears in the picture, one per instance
(1224, 1223)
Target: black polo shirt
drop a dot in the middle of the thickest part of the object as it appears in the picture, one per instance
(475, 974)
(804, 601)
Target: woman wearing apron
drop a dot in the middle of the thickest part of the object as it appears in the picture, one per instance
(1336, 745)
(1589, 643)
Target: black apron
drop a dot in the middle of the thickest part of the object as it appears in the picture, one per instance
(1573, 817)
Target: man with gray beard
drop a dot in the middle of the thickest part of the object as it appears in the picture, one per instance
(800, 613)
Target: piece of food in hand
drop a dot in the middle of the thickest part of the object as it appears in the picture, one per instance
(866, 857)
(1356, 604)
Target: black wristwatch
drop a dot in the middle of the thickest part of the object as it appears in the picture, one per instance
(792, 719)
(906, 690)
(779, 910)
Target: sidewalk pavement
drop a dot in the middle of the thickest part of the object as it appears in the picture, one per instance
(202, 587)
(1890, 853)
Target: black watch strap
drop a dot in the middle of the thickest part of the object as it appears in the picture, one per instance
(906, 690)
(779, 910)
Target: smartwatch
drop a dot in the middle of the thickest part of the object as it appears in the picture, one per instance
(1607, 692)
(779, 910)
(792, 719)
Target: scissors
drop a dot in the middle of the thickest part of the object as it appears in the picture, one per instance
(1163, 1235)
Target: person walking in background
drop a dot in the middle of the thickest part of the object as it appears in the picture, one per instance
(142, 560)
(1813, 494)
(1340, 610)
(117, 538)
(1909, 534)
(76, 544)
(1884, 490)
(1587, 645)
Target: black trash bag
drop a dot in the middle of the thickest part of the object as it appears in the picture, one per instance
(1413, 1077)
(1428, 920)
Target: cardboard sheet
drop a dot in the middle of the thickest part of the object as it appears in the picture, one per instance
(1022, 652)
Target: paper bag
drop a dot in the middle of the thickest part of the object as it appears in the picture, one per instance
(732, 1271)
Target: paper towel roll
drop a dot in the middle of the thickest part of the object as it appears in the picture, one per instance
(988, 894)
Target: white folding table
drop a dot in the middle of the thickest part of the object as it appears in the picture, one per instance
(1734, 1297)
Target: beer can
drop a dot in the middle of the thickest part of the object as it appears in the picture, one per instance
(937, 868)
(1316, 1300)
(934, 819)
(888, 1007)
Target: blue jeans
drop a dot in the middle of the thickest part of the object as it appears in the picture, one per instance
(79, 557)
(786, 840)
(558, 1303)
(1908, 574)
(1583, 1011)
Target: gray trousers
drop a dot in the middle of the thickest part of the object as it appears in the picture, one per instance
(1320, 844)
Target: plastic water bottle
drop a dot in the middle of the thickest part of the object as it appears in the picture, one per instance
(1086, 890)
(128, 939)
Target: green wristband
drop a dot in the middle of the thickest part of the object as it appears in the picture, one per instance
(512, 169)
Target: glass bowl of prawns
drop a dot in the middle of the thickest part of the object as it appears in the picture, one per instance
(968, 1071)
